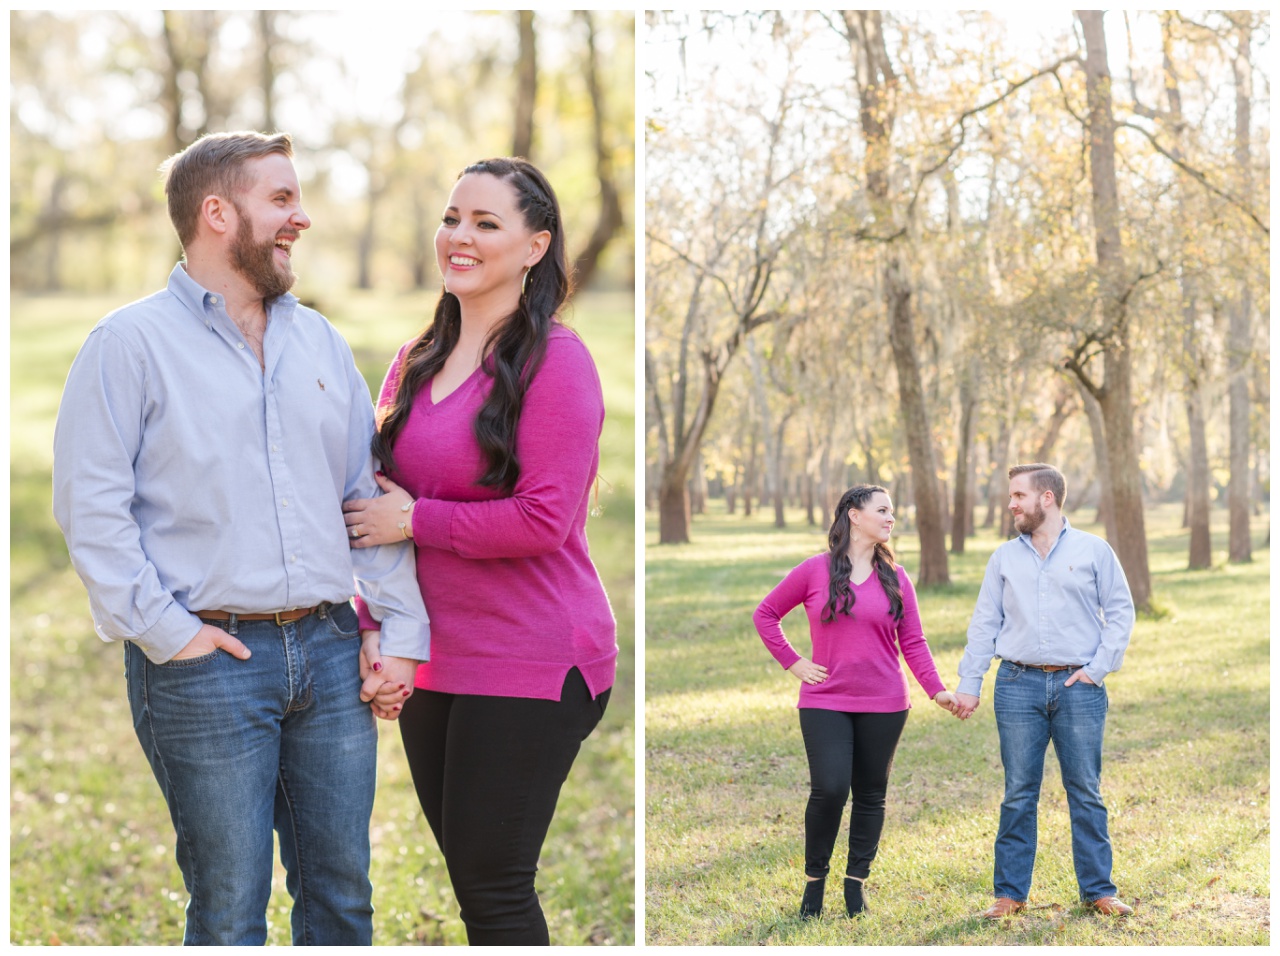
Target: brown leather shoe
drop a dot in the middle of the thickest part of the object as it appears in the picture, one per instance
(1004, 907)
(1110, 906)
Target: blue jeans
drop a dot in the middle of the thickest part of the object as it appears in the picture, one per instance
(280, 741)
(1033, 708)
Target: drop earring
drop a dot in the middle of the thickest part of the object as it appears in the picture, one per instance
(524, 281)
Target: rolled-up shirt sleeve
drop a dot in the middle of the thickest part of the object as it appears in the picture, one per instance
(386, 576)
(96, 439)
(1116, 604)
(984, 628)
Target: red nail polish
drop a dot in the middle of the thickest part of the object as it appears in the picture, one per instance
(405, 694)
(396, 707)
(377, 665)
(380, 474)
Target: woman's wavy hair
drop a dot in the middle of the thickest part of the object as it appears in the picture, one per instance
(515, 346)
(841, 598)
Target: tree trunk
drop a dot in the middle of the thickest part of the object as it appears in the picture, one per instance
(365, 240)
(915, 417)
(1116, 394)
(1200, 551)
(877, 90)
(170, 94)
(998, 513)
(1106, 514)
(1062, 410)
(697, 486)
(962, 513)
(609, 220)
(267, 38)
(1240, 344)
(674, 515)
(422, 258)
(779, 497)
(526, 86)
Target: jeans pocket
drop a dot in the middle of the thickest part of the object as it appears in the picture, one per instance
(1009, 673)
(172, 664)
(343, 620)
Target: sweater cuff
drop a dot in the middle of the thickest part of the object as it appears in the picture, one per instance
(432, 519)
(367, 620)
(934, 689)
(786, 657)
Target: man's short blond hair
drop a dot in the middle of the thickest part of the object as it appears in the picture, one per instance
(213, 165)
(1043, 478)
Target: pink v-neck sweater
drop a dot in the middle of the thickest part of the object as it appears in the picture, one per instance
(513, 597)
(859, 651)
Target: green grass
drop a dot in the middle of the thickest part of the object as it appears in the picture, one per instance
(1186, 772)
(91, 846)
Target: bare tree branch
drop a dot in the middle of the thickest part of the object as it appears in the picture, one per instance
(1198, 176)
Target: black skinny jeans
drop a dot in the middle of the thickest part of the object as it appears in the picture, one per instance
(846, 752)
(488, 772)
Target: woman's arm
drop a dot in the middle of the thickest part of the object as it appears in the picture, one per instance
(915, 649)
(557, 444)
(789, 594)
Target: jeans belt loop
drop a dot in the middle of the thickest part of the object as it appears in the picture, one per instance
(232, 624)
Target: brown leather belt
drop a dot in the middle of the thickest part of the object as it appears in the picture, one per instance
(280, 617)
(1049, 668)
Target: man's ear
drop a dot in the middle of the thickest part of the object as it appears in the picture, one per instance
(217, 213)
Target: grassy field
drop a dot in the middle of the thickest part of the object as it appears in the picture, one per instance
(1186, 772)
(91, 846)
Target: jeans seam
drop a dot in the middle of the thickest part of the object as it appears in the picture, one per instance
(300, 902)
(193, 915)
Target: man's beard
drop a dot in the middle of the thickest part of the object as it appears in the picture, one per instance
(1030, 520)
(256, 261)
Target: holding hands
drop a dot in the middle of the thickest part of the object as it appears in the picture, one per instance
(966, 704)
(946, 700)
(388, 682)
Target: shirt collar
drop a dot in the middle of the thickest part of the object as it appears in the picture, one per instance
(198, 299)
(1066, 526)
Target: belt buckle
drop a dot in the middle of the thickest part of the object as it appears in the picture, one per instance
(279, 622)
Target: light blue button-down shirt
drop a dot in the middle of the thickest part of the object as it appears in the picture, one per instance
(187, 478)
(1072, 607)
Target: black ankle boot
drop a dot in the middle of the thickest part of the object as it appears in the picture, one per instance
(811, 902)
(854, 904)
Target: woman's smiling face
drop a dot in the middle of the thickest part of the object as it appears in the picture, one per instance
(483, 245)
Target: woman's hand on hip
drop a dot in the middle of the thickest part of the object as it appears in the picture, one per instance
(384, 520)
(808, 671)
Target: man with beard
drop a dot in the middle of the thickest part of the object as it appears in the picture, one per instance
(1055, 608)
(207, 438)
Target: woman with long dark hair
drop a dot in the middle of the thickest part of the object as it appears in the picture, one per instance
(853, 695)
(489, 424)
